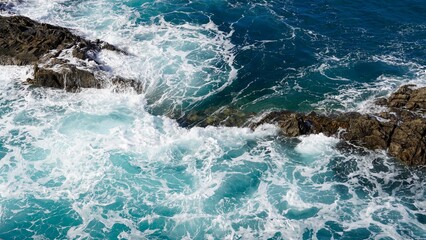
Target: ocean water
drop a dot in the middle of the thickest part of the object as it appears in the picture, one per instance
(104, 165)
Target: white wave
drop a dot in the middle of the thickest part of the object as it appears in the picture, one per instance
(10, 72)
(316, 144)
(68, 144)
(178, 64)
(361, 97)
(96, 149)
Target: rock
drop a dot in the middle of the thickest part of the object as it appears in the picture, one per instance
(409, 142)
(51, 48)
(359, 129)
(25, 41)
(122, 84)
(367, 131)
(402, 130)
(69, 78)
(381, 101)
(408, 97)
(417, 100)
(227, 116)
(400, 98)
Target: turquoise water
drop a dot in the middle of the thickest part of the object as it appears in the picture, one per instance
(105, 165)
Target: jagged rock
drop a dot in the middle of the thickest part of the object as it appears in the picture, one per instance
(409, 142)
(367, 131)
(356, 128)
(123, 83)
(381, 101)
(24, 41)
(408, 97)
(69, 78)
(402, 130)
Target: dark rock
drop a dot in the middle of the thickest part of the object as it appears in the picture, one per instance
(381, 101)
(230, 117)
(24, 41)
(417, 100)
(400, 98)
(122, 84)
(402, 130)
(367, 131)
(70, 78)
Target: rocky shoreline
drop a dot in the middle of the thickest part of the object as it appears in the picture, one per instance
(61, 59)
(401, 130)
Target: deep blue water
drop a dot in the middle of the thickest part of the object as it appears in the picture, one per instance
(104, 165)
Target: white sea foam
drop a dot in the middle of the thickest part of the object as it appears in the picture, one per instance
(95, 149)
(15, 73)
(111, 162)
(70, 139)
(178, 64)
(316, 144)
(361, 97)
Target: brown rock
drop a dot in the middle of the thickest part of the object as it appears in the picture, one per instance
(407, 97)
(417, 99)
(367, 131)
(402, 132)
(25, 41)
(69, 78)
(409, 142)
(229, 117)
(400, 98)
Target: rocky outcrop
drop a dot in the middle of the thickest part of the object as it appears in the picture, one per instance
(401, 130)
(61, 58)
(407, 97)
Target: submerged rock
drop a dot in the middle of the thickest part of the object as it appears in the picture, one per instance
(229, 117)
(61, 58)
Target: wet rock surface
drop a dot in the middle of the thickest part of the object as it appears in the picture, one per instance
(228, 117)
(61, 58)
(401, 130)
(407, 97)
